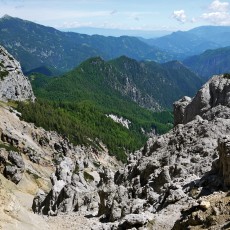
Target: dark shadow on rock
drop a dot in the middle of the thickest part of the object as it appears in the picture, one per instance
(226, 226)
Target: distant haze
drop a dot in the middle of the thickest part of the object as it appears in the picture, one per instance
(117, 32)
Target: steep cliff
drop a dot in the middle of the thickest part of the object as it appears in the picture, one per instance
(13, 84)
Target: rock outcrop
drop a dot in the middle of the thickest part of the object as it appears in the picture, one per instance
(223, 163)
(14, 170)
(72, 190)
(212, 95)
(13, 84)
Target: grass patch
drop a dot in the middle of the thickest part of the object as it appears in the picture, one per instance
(76, 170)
(3, 74)
(8, 147)
(96, 164)
(35, 176)
(227, 75)
(88, 177)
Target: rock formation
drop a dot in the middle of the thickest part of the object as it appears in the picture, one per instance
(13, 84)
(224, 159)
(212, 95)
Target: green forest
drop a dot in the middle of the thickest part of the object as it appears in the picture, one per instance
(77, 104)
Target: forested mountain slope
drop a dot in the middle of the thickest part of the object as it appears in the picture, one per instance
(35, 45)
(210, 62)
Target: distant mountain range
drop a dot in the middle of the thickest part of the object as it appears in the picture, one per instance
(118, 32)
(45, 49)
(210, 62)
(35, 45)
(183, 44)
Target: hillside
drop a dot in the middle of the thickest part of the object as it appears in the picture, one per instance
(94, 90)
(35, 45)
(149, 84)
(210, 62)
(163, 83)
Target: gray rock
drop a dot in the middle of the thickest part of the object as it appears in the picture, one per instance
(133, 221)
(13, 84)
(224, 159)
(14, 171)
(70, 192)
(214, 93)
(16, 159)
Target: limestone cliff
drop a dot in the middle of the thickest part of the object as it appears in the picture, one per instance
(13, 84)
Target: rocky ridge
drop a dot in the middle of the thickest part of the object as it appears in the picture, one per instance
(13, 84)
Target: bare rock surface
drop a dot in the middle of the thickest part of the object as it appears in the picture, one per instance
(13, 84)
(216, 92)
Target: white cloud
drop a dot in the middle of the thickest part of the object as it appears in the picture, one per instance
(218, 13)
(217, 18)
(179, 15)
(193, 20)
(217, 6)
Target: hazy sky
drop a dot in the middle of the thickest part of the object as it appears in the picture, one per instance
(121, 14)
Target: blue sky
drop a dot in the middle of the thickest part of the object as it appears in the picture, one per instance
(143, 15)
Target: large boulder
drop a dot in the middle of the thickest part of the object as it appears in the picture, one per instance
(14, 170)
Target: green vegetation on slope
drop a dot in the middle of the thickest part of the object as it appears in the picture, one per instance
(165, 83)
(77, 104)
(84, 123)
(210, 62)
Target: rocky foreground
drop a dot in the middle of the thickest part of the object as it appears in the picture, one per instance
(179, 180)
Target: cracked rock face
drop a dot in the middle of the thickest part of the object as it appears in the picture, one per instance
(13, 84)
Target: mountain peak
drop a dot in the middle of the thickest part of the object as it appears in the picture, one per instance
(6, 16)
